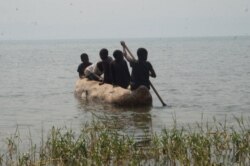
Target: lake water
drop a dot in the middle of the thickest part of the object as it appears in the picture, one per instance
(199, 78)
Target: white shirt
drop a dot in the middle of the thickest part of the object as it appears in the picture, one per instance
(92, 69)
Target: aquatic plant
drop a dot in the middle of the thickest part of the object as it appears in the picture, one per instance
(96, 144)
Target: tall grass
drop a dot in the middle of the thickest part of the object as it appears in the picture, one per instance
(96, 144)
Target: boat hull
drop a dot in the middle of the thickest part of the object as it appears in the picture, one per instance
(114, 95)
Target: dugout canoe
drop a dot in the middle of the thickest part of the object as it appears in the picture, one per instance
(91, 90)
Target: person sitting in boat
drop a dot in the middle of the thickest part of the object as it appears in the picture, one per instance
(85, 63)
(106, 60)
(119, 70)
(141, 69)
(93, 72)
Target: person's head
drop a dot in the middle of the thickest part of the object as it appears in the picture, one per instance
(118, 55)
(142, 54)
(84, 57)
(103, 53)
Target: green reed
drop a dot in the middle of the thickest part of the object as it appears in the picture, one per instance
(96, 144)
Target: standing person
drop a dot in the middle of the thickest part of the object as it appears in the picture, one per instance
(119, 70)
(141, 69)
(85, 63)
(106, 60)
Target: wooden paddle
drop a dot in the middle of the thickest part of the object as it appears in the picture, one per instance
(157, 94)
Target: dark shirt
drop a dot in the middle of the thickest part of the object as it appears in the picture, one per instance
(140, 74)
(82, 67)
(99, 66)
(106, 70)
(120, 73)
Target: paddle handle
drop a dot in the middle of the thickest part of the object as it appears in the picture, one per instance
(157, 94)
(126, 48)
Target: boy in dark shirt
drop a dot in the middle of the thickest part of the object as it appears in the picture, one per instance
(119, 70)
(106, 60)
(141, 69)
(85, 63)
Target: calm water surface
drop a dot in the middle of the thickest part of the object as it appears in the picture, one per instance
(196, 77)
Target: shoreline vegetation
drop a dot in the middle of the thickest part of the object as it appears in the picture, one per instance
(214, 143)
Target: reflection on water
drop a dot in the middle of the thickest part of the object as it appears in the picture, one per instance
(136, 122)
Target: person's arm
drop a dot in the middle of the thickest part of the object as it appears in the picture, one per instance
(79, 71)
(151, 70)
(152, 73)
(128, 58)
(127, 71)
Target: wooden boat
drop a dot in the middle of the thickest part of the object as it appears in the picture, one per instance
(114, 95)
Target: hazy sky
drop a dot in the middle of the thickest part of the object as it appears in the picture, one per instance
(60, 19)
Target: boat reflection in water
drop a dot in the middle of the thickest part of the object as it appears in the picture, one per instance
(135, 122)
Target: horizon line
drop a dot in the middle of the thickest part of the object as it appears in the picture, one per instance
(131, 38)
